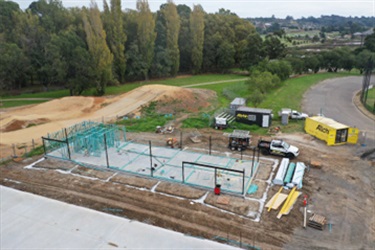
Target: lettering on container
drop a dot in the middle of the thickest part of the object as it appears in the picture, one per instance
(246, 116)
(323, 129)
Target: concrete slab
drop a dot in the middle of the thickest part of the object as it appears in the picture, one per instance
(33, 222)
(134, 158)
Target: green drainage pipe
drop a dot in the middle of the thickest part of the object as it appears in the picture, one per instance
(289, 173)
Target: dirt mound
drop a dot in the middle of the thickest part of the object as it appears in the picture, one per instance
(170, 98)
(188, 100)
(58, 109)
(21, 125)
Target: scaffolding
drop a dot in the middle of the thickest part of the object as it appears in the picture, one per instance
(87, 138)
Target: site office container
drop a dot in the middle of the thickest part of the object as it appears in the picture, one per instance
(329, 130)
(260, 117)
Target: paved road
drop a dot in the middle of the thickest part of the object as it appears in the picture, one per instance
(334, 97)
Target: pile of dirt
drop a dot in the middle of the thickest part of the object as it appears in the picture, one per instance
(188, 100)
(21, 124)
(55, 110)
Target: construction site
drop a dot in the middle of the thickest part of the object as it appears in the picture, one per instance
(192, 180)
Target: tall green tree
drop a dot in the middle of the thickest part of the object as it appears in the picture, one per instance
(274, 48)
(116, 37)
(197, 38)
(100, 53)
(252, 51)
(14, 66)
(172, 24)
(184, 38)
(32, 38)
(146, 35)
(52, 15)
(7, 22)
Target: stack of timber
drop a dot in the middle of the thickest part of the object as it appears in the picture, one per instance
(317, 221)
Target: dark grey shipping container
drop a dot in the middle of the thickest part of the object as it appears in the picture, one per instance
(260, 117)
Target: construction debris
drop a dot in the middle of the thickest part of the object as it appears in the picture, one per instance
(276, 201)
(316, 164)
(317, 221)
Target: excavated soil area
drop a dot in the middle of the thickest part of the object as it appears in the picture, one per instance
(19, 126)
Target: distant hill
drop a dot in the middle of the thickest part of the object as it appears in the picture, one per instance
(344, 25)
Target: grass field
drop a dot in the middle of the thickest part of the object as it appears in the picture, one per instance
(370, 102)
(111, 90)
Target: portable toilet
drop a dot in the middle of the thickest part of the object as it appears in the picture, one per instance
(284, 117)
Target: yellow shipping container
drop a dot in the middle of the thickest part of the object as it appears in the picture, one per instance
(329, 130)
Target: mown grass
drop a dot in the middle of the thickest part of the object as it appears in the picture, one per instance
(110, 90)
(289, 95)
(370, 102)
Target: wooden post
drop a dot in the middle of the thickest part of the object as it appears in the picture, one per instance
(33, 143)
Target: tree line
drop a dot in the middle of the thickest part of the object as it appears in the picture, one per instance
(81, 48)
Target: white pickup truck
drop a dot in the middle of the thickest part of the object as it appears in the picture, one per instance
(293, 114)
(278, 147)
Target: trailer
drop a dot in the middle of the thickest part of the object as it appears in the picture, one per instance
(260, 117)
(223, 120)
(330, 131)
(239, 140)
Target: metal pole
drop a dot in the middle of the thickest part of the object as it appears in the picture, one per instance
(106, 150)
(209, 146)
(67, 144)
(152, 173)
(252, 168)
(44, 146)
(241, 154)
(304, 216)
(215, 177)
(181, 140)
(243, 181)
(183, 174)
(258, 151)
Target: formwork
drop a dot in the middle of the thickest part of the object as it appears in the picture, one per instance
(101, 146)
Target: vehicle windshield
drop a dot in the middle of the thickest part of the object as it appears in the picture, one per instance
(285, 145)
